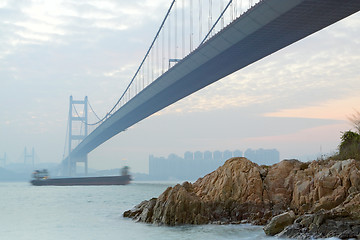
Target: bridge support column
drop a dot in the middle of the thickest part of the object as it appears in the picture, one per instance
(72, 165)
(72, 160)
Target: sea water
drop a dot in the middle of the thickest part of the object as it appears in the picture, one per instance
(95, 212)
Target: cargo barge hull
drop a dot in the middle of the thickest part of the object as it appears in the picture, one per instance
(83, 181)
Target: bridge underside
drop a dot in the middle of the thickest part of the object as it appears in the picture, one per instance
(266, 28)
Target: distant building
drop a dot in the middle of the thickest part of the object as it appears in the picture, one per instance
(156, 166)
(250, 154)
(218, 156)
(198, 156)
(208, 156)
(188, 155)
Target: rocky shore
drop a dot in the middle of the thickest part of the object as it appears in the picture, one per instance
(291, 198)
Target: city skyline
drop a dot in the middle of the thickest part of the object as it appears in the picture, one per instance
(197, 164)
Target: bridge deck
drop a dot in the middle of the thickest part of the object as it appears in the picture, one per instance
(266, 28)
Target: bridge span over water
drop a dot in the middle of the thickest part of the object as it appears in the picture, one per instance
(263, 29)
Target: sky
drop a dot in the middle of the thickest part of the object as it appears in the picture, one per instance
(296, 100)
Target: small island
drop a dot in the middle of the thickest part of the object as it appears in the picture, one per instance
(317, 199)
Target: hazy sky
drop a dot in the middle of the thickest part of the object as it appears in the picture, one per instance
(296, 100)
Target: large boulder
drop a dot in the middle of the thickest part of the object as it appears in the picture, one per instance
(279, 222)
(237, 180)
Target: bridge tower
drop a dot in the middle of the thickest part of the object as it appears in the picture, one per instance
(30, 156)
(71, 164)
(3, 160)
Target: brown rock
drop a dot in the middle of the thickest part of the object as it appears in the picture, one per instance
(238, 179)
(342, 222)
(179, 205)
(279, 222)
(233, 193)
(280, 183)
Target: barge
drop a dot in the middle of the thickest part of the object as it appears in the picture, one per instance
(41, 178)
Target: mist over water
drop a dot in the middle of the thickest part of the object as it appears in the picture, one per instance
(94, 212)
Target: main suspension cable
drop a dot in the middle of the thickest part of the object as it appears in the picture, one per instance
(137, 71)
(93, 111)
(216, 22)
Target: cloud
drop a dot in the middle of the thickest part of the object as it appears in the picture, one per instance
(330, 109)
(127, 69)
(62, 22)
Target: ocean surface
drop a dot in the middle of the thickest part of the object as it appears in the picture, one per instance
(95, 212)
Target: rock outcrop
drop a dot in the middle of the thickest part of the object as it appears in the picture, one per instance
(241, 191)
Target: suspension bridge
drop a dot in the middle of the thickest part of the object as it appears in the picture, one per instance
(199, 42)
